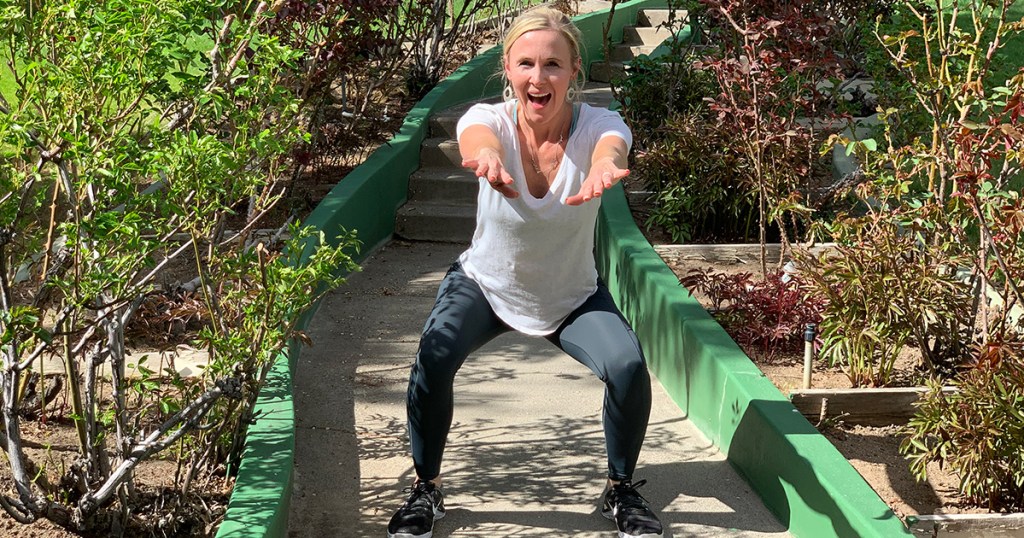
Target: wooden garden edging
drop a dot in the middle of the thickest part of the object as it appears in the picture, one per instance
(884, 406)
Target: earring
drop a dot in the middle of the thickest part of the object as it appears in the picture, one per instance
(508, 94)
(575, 90)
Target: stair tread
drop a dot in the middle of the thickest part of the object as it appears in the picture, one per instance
(448, 209)
(444, 172)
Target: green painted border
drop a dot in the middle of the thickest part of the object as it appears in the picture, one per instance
(799, 474)
(366, 201)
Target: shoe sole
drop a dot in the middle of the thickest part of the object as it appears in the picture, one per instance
(610, 516)
(437, 515)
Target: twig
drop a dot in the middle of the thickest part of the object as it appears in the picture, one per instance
(16, 510)
(188, 418)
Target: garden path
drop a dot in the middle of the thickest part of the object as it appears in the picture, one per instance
(526, 452)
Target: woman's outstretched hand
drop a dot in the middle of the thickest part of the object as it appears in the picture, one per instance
(603, 174)
(488, 166)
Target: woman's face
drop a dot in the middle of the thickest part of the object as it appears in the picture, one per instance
(540, 68)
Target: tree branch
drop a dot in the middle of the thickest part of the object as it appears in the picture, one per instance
(188, 418)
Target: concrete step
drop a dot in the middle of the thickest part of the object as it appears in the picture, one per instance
(606, 71)
(660, 17)
(445, 223)
(638, 35)
(443, 123)
(444, 185)
(597, 94)
(440, 152)
(636, 40)
(626, 53)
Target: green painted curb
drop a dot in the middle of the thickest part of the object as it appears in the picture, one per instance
(366, 201)
(799, 474)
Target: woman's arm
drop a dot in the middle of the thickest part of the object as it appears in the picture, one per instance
(607, 167)
(482, 153)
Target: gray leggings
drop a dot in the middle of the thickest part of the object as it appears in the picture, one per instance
(595, 334)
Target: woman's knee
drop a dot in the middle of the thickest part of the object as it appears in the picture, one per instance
(626, 366)
(438, 357)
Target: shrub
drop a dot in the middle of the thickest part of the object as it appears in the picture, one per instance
(886, 291)
(942, 252)
(940, 201)
(977, 431)
(659, 89)
(691, 169)
(765, 317)
(687, 163)
(145, 136)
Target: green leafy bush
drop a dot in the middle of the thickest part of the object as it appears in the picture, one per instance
(938, 259)
(976, 432)
(694, 174)
(146, 138)
(885, 291)
(688, 165)
(659, 89)
(938, 202)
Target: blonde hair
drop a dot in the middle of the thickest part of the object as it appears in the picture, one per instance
(547, 18)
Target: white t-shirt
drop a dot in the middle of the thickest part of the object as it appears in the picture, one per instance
(534, 257)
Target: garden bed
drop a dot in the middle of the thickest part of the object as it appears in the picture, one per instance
(159, 510)
(872, 446)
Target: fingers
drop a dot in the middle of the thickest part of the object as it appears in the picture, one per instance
(494, 174)
(611, 178)
(506, 191)
(595, 186)
(489, 169)
(588, 192)
(503, 186)
(575, 200)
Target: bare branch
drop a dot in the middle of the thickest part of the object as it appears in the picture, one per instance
(252, 222)
(17, 510)
(188, 419)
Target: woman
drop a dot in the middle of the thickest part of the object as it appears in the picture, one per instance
(544, 163)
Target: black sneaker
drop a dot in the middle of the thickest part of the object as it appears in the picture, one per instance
(415, 519)
(630, 512)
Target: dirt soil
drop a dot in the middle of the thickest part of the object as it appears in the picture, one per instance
(873, 451)
(53, 445)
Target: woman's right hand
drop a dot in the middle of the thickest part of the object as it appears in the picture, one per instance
(488, 166)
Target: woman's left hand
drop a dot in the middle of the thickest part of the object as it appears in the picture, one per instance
(603, 174)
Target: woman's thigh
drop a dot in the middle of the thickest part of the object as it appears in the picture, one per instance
(460, 322)
(597, 335)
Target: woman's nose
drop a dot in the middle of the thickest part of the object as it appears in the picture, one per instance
(535, 74)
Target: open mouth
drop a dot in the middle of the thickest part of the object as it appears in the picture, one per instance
(540, 99)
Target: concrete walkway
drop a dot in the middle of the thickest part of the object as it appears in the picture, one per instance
(526, 452)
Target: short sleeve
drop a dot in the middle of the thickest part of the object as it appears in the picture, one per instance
(609, 123)
(479, 114)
